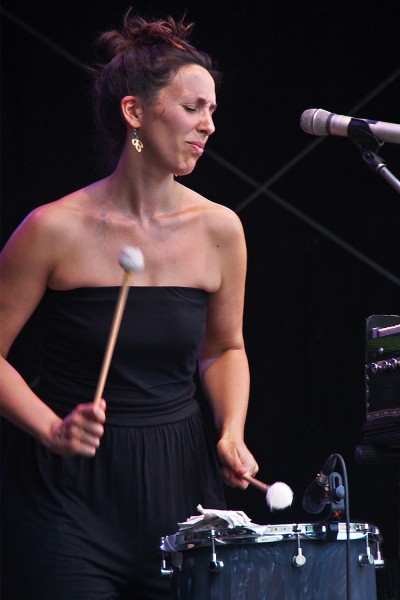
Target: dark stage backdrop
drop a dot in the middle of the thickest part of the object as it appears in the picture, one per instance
(322, 229)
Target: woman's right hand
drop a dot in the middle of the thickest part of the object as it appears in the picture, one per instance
(79, 432)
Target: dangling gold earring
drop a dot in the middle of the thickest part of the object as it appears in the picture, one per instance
(136, 143)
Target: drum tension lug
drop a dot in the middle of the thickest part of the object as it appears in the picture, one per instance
(378, 560)
(299, 560)
(215, 566)
(165, 571)
(367, 558)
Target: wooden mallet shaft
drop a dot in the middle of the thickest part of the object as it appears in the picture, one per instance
(131, 260)
(256, 483)
(112, 338)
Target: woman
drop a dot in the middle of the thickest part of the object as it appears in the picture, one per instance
(88, 490)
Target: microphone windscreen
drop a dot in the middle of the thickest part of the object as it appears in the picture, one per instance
(314, 121)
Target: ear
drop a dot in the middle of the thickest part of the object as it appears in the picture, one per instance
(131, 109)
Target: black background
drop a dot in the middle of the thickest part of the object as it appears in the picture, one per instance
(323, 237)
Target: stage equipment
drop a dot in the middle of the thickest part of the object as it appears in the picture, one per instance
(277, 562)
(381, 429)
(368, 136)
(316, 497)
(331, 491)
(317, 121)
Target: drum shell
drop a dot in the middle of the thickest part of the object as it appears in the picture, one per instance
(266, 571)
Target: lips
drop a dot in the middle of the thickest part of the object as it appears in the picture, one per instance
(198, 147)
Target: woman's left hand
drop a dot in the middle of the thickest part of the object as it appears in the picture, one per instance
(236, 460)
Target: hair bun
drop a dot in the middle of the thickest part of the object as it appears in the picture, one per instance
(137, 32)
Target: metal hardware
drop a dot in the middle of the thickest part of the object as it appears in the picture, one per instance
(367, 558)
(165, 571)
(215, 565)
(299, 560)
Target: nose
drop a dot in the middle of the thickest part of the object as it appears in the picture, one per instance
(206, 123)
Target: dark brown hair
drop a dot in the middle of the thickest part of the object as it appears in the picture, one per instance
(139, 60)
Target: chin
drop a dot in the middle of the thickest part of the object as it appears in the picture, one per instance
(185, 169)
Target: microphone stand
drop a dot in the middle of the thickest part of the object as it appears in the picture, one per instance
(378, 165)
(368, 144)
(339, 505)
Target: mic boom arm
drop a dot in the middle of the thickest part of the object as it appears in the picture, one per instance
(367, 135)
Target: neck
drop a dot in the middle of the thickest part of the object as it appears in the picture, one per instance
(135, 187)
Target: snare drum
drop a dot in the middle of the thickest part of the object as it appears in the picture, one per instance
(280, 562)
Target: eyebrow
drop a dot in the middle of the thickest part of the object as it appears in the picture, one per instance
(203, 102)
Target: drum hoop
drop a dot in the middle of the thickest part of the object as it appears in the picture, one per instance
(185, 540)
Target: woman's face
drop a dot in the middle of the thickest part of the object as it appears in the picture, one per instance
(175, 129)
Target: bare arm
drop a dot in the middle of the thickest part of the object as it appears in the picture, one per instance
(223, 362)
(25, 267)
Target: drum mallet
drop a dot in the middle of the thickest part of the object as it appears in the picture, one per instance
(278, 495)
(131, 260)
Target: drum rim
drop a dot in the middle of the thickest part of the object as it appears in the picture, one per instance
(188, 540)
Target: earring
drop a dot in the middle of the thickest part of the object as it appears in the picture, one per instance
(136, 143)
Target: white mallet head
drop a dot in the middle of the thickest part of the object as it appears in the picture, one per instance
(131, 259)
(279, 496)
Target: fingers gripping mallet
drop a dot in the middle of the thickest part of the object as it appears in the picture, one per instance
(278, 495)
(131, 260)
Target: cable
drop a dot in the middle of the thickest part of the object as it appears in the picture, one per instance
(347, 514)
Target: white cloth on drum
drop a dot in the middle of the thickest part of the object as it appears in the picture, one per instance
(211, 518)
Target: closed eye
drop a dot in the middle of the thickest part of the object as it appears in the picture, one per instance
(191, 109)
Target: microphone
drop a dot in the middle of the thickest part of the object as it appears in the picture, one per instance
(316, 497)
(317, 121)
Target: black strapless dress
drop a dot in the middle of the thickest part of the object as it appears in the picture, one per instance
(89, 528)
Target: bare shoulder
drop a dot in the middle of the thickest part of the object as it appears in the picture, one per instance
(51, 223)
(55, 217)
(221, 223)
(41, 238)
(26, 264)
